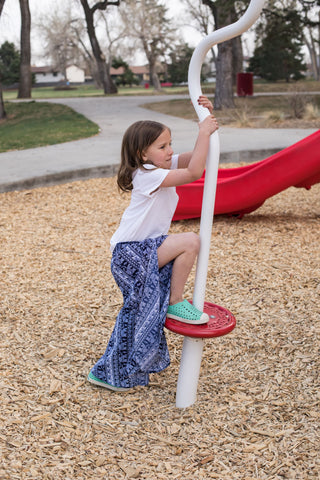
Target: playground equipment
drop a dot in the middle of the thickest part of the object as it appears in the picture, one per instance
(193, 347)
(244, 189)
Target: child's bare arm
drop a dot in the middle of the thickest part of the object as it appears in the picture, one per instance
(196, 165)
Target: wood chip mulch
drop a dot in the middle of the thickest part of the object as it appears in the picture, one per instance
(257, 413)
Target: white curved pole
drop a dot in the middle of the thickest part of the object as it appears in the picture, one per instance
(192, 348)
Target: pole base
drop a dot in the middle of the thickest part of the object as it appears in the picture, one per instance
(221, 322)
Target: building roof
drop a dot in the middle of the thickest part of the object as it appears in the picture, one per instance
(140, 70)
(45, 69)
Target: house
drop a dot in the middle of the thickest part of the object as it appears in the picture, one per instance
(142, 72)
(49, 76)
(46, 75)
(75, 74)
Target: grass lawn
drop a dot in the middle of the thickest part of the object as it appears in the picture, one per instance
(31, 124)
(91, 91)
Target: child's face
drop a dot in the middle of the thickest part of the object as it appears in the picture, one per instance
(160, 152)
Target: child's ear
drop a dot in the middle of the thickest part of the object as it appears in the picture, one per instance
(144, 156)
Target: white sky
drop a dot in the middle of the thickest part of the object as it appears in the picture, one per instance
(10, 25)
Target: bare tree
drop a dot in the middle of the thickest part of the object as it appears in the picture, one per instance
(151, 28)
(310, 15)
(202, 19)
(114, 32)
(2, 109)
(103, 67)
(84, 51)
(62, 35)
(25, 81)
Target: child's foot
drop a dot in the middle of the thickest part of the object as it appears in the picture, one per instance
(185, 312)
(96, 381)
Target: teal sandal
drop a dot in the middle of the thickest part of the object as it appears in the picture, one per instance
(96, 381)
(185, 312)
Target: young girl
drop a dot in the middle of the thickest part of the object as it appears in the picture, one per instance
(149, 266)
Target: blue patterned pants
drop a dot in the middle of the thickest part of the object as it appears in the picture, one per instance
(137, 345)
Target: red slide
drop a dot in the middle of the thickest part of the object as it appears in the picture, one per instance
(244, 189)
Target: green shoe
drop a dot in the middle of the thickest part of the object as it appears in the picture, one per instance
(185, 312)
(96, 381)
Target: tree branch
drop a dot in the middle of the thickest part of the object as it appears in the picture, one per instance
(1, 5)
(104, 5)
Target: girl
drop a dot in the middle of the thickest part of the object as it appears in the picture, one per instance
(149, 266)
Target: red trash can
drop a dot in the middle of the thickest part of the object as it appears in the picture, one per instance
(244, 84)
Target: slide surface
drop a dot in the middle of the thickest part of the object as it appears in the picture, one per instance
(242, 190)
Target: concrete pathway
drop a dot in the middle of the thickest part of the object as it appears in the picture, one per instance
(99, 156)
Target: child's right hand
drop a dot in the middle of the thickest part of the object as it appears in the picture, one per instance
(209, 125)
(205, 103)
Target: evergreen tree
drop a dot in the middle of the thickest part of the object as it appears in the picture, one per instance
(9, 63)
(178, 67)
(278, 54)
(128, 77)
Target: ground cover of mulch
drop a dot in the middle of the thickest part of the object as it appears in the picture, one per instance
(257, 412)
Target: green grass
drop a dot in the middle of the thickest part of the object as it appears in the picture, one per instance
(51, 92)
(91, 91)
(32, 124)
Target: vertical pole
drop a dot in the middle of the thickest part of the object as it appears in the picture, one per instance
(192, 348)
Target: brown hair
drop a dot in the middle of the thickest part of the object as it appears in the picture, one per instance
(139, 136)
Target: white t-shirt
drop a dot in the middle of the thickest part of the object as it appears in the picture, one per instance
(151, 208)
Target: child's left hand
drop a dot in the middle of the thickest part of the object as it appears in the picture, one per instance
(205, 102)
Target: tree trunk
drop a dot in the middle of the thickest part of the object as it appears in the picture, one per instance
(2, 109)
(224, 14)
(237, 58)
(102, 67)
(313, 58)
(1, 6)
(154, 79)
(224, 88)
(237, 51)
(25, 81)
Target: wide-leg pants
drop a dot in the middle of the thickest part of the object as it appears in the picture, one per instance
(137, 345)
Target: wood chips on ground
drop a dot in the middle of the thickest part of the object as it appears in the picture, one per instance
(257, 413)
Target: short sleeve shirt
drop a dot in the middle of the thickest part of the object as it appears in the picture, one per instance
(151, 208)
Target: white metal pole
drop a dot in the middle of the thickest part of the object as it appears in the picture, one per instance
(192, 348)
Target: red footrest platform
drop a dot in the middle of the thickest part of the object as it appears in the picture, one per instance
(221, 322)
